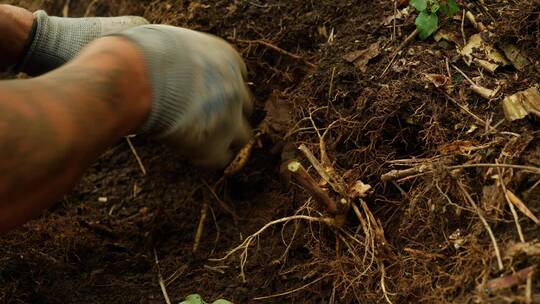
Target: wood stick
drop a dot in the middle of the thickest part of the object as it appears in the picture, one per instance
(277, 49)
(302, 177)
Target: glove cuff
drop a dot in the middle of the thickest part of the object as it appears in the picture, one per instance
(171, 77)
(57, 40)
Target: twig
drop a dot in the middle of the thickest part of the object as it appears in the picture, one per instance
(134, 151)
(463, 28)
(480, 90)
(521, 167)
(510, 280)
(200, 227)
(160, 280)
(512, 209)
(394, 36)
(277, 49)
(400, 47)
(478, 119)
(330, 88)
(397, 174)
(528, 288)
(486, 225)
(423, 169)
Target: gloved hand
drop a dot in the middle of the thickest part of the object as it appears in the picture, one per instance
(54, 41)
(200, 98)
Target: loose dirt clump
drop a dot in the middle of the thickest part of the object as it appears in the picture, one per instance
(436, 193)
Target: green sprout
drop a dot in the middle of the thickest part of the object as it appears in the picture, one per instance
(197, 299)
(427, 21)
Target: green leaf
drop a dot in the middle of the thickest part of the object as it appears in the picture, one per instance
(193, 299)
(453, 8)
(419, 5)
(435, 7)
(196, 299)
(450, 8)
(426, 24)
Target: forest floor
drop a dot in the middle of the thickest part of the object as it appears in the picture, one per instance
(437, 189)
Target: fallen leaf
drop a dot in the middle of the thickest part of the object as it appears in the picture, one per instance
(400, 14)
(361, 58)
(482, 53)
(437, 80)
(515, 56)
(521, 104)
(457, 147)
(516, 201)
(449, 36)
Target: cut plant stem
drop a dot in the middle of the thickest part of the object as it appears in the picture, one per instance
(302, 177)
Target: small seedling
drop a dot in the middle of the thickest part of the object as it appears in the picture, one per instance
(427, 21)
(197, 299)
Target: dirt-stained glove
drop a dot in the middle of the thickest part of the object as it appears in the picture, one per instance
(56, 40)
(199, 92)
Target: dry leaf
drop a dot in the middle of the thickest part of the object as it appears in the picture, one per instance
(482, 53)
(516, 201)
(400, 14)
(515, 56)
(458, 147)
(437, 80)
(361, 58)
(446, 35)
(522, 104)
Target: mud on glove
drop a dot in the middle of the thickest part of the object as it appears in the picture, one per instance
(199, 92)
(55, 40)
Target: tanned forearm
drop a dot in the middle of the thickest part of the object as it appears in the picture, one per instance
(53, 127)
(15, 25)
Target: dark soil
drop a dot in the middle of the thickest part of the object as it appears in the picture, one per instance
(430, 245)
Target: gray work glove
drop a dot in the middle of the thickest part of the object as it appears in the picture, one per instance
(200, 97)
(56, 40)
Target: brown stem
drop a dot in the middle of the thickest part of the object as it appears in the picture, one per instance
(302, 177)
